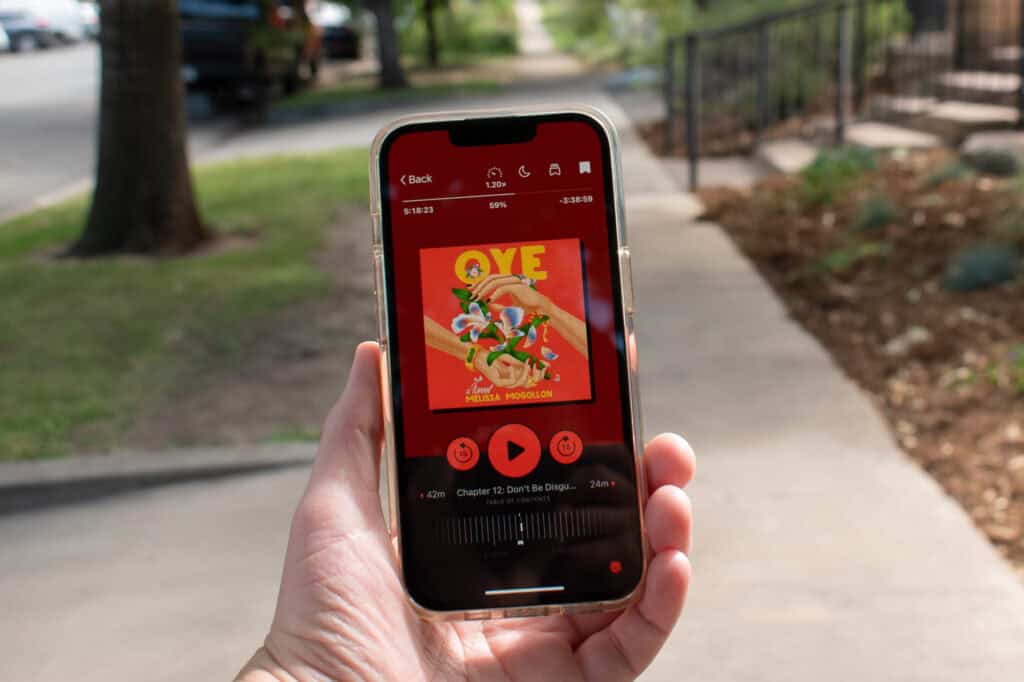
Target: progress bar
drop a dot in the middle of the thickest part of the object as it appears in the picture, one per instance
(456, 197)
(524, 590)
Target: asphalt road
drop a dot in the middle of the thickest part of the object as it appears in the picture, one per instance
(48, 104)
(48, 119)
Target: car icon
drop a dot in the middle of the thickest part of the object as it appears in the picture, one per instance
(554, 169)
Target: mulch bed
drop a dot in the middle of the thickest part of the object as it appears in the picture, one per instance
(941, 366)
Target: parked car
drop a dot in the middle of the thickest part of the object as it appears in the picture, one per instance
(90, 12)
(32, 24)
(245, 47)
(5, 42)
(340, 37)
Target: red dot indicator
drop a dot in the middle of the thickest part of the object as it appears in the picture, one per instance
(615, 567)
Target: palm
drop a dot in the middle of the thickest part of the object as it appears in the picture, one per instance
(342, 612)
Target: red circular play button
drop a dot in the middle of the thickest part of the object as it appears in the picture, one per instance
(514, 450)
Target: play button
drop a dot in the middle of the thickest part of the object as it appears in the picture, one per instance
(514, 450)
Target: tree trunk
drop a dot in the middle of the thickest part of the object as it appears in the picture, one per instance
(143, 201)
(391, 73)
(433, 56)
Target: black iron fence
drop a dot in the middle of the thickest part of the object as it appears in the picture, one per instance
(813, 67)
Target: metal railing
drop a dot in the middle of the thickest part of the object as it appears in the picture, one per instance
(812, 67)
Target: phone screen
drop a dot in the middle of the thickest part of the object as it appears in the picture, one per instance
(510, 386)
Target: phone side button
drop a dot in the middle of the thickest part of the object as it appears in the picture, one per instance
(379, 290)
(626, 268)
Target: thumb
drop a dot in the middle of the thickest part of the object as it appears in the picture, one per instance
(348, 459)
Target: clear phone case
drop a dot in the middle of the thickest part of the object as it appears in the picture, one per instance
(628, 316)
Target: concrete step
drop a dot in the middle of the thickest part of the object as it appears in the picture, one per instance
(951, 120)
(1005, 59)
(996, 141)
(876, 135)
(927, 46)
(737, 172)
(985, 87)
(787, 156)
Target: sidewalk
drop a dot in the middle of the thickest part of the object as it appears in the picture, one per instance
(821, 551)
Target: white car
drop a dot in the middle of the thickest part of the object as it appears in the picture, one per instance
(40, 23)
(5, 42)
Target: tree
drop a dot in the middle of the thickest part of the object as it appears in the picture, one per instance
(391, 73)
(433, 54)
(143, 201)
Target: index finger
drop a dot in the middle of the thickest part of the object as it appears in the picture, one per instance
(668, 460)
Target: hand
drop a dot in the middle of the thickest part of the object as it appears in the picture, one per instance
(342, 614)
(507, 371)
(493, 287)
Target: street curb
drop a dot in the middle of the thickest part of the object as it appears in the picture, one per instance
(31, 485)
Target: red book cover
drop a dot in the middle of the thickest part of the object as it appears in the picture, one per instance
(505, 324)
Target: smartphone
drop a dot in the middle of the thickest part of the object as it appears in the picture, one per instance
(506, 333)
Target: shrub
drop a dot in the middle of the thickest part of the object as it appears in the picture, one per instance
(875, 214)
(981, 266)
(1017, 368)
(955, 170)
(1010, 227)
(993, 162)
(845, 257)
(833, 173)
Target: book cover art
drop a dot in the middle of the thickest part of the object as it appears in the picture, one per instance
(505, 324)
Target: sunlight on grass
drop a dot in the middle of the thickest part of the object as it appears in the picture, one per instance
(82, 342)
(367, 95)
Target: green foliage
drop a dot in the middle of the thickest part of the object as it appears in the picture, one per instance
(634, 31)
(955, 170)
(84, 342)
(584, 29)
(981, 266)
(465, 30)
(833, 173)
(1010, 227)
(877, 213)
(993, 162)
(1017, 369)
(355, 97)
(844, 258)
(293, 434)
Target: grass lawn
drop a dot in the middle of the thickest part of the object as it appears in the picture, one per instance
(83, 342)
(362, 94)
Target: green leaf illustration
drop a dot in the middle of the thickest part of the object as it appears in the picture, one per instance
(462, 294)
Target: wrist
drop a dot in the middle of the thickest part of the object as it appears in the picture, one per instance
(263, 668)
(546, 307)
(473, 357)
